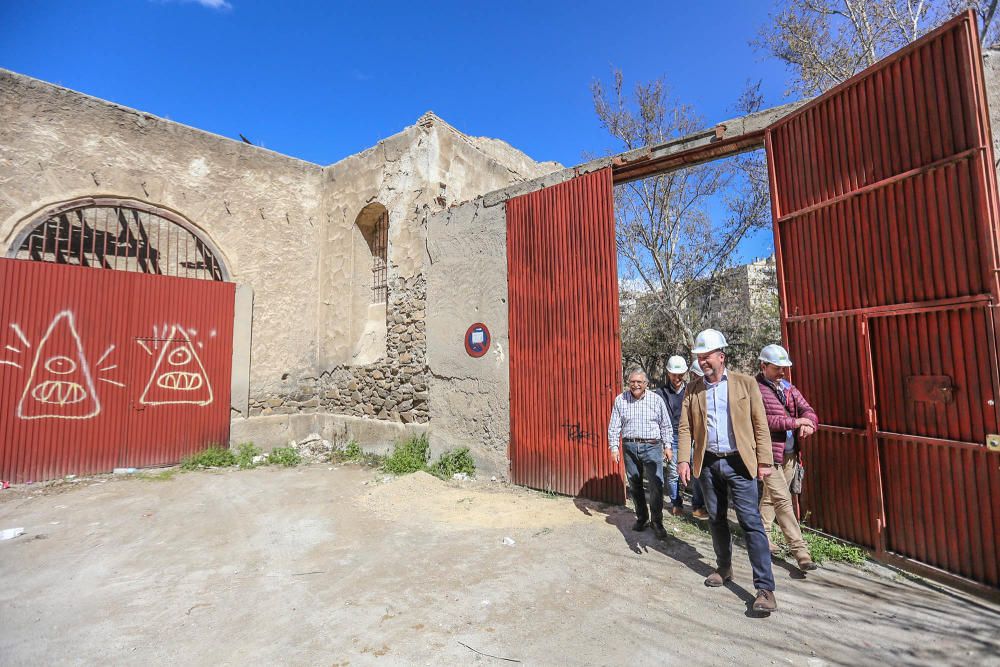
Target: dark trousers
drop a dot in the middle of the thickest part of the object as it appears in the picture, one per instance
(645, 460)
(719, 478)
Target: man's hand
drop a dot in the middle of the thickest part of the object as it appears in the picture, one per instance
(807, 429)
(668, 452)
(763, 472)
(684, 472)
(616, 455)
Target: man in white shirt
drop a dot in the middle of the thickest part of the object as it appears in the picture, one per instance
(641, 420)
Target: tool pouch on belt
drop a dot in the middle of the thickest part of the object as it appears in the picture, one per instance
(798, 476)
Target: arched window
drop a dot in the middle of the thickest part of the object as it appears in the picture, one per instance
(373, 223)
(120, 234)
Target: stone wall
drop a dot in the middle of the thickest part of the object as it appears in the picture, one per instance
(392, 389)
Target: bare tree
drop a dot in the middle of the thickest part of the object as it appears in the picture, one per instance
(825, 42)
(677, 232)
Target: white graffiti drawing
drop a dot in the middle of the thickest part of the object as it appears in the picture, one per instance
(59, 384)
(178, 377)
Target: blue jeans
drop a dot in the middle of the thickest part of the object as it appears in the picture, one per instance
(673, 484)
(719, 478)
(645, 460)
(673, 488)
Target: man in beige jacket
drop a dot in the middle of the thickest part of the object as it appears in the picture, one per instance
(723, 418)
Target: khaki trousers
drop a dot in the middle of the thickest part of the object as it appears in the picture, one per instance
(776, 503)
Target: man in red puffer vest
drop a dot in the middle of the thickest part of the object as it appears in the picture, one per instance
(790, 418)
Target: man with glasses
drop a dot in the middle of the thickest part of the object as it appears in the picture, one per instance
(641, 420)
(723, 418)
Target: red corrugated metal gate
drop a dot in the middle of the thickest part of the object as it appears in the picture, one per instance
(565, 353)
(102, 369)
(884, 202)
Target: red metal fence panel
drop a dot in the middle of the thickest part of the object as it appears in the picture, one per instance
(101, 369)
(565, 351)
(885, 216)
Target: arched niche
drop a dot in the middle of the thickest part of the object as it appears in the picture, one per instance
(370, 293)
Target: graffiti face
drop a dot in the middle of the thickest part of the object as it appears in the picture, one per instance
(178, 376)
(60, 384)
(180, 380)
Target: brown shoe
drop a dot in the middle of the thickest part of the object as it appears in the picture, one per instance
(719, 577)
(806, 565)
(676, 511)
(765, 602)
(700, 514)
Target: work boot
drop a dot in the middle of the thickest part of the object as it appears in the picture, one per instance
(701, 514)
(765, 602)
(676, 511)
(719, 577)
(640, 525)
(659, 531)
(807, 565)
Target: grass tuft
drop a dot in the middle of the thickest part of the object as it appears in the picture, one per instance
(452, 462)
(408, 456)
(822, 548)
(284, 456)
(245, 456)
(213, 457)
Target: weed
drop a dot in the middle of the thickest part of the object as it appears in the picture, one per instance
(408, 456)
(452, 462)
(823, 548)
(245, 455)
(353, 451)
(284, 456)
(213, 457)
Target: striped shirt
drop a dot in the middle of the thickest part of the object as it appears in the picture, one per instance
(646, 418)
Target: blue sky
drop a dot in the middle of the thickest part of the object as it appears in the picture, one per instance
(323, 80)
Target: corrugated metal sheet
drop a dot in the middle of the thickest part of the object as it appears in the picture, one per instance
(942, 505)
(565, 352)
(946, 344)
(101, 369)
(837, 484)
(885, 208)
(827, 355)
(847, 252)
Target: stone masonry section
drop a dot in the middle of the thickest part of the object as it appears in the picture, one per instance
(391, 389)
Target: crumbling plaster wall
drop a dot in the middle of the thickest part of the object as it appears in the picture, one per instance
(423, 169)
(261, 209)
(466, 284)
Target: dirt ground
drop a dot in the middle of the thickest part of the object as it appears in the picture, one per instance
(331, 565)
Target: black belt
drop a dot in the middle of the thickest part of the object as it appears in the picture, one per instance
(722, 456)
(644, 441)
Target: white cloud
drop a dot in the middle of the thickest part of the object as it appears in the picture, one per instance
(218, 5)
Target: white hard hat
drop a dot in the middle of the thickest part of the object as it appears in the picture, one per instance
(775, 354)
(709, 340)
(696, 368)
(676, 364)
